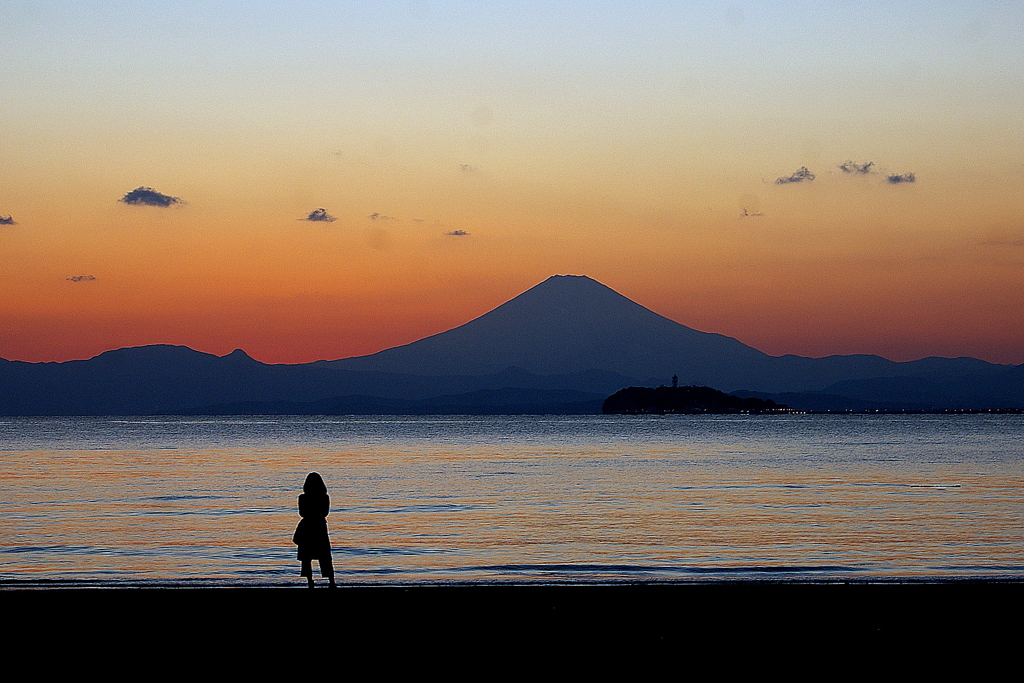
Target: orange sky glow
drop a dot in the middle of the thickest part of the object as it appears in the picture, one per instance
(465, 159)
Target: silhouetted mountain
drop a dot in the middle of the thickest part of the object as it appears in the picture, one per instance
(565, 324)
(163, 379)
(1001, 387)
(567, 334)
(151, 379)
(573, 323)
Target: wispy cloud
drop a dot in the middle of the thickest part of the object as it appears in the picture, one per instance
(468, 168)
(897, 178)
(801, 175)
(7, 220)
(81, 278)
(319, 216)
(380, 217)
(854, 168)
(457, 233)
(147, 196)
(750, 206)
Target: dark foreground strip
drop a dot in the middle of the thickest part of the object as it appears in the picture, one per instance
(423, 627)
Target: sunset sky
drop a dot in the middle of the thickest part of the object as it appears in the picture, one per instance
(466, 151)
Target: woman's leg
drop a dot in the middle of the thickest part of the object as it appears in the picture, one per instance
(327, 568)
(307, 571)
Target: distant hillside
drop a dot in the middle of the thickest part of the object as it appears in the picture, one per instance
(162, 379)
(567, 334)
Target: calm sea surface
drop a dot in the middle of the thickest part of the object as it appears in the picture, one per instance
(129, 501)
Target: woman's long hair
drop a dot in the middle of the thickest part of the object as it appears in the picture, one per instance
(314, 484)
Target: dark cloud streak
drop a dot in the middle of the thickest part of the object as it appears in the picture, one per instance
(857, 169)
(147, 196)
(897, 178)
(801, 175)
(319, 216)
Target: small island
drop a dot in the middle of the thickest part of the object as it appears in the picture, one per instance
(685, 400)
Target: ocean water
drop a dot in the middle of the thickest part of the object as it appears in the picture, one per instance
(212, 501)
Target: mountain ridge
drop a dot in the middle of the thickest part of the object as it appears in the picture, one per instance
(574, 323)
(565, 323)
(567, 333)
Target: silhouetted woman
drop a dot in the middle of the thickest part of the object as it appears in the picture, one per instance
(311, 533)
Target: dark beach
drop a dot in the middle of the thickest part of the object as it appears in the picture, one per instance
(659, 618)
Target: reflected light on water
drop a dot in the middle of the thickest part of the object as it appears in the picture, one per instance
(514, 498)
